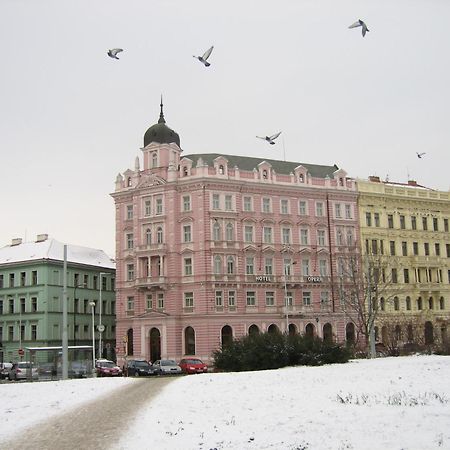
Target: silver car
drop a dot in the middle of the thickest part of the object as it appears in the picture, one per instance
(23, 370)
(166, 367)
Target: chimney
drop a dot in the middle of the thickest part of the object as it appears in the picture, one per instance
(412, 183)
(374, 179)
(16, 241)
(41, 237)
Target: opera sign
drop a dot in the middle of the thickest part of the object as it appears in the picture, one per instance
(312, 279)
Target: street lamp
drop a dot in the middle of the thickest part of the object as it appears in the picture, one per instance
(285, 270)
(92, 305)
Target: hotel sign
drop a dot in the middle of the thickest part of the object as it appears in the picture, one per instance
(263, 278)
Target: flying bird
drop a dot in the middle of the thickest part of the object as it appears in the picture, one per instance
(113, 53)
(360, 23)
(205, 56)
(270, 139)
(419, 155)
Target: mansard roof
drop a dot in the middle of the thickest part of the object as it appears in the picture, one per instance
(250, 163)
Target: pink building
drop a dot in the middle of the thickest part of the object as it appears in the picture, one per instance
(213, 246)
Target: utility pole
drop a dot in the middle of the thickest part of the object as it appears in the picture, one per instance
(65, 352)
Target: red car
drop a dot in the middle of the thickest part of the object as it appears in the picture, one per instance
(193, 365)
(106, 368)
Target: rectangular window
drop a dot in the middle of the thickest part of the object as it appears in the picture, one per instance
(441, 303)
(33, 332)
(376, 218)
(319, 209)
(323, 267)
(306, 298)
(321, 237)
(11, 305)
(415, 248)
(231, 298)
(268, 266)
(22, 278)
(392, 247)
(348, 211)
(188, 299)
(130, 272)
(186, 203)
(304, 240)
(10, 333)
(339, 236)
(130, 303)
(228, 203)
(11, 280)
(147, 207)
(349, 236)
(248, 233)
(337, 210)
(446, 225)
(1, 281)
(149, 301)
(289, 299)
(324, 297)
(22, 304)
(267, 235)
(247, 204)
(404, 248)
(426, 247)
(437, 249)
(390, 221)
(425, 223)
(188, 266)
(286, 235)
(305, 267)
(266, 205)
(249, 265)
(413, 223)
(435, 224)
(368, 219)
(159, 206)
(1, 309)
(270, 298)
(130, 241)
(251, 298)
(447, 250)
(284, 206)
(394, 275)
(187, 237)
(129, 212)
(161, 301)
(402, 222)
(302, 210)
(406, 275)
(216, 201)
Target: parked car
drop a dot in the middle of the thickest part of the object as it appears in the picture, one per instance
(106, 368)
(139, 368)
(47, 370)
(4, 370)
(193, 365)
(166, 367)
(23, 370)
(78, 369)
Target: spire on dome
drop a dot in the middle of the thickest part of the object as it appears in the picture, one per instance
(161, 114)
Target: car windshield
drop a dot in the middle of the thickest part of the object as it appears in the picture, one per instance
(108, 364)
(193, 361)
(24, 365)
(142, 364)
(168, 362)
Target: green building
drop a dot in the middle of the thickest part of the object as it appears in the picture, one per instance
(31, 293)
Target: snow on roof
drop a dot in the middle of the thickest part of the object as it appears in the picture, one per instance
(52, 249)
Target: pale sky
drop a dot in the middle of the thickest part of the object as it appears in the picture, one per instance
(71, 118)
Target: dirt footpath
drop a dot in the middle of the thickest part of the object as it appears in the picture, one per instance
(95, 425)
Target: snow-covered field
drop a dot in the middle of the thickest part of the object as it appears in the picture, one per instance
(390, 403)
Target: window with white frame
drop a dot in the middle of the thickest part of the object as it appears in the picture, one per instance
(268, 265)
(302, 208)
(248, 204)
(229, 232)
(284, 207)
(231, 298)
(306, 298)
(216, 231)
(187, 235)
(348, 211)
(159, 235)
(266, 206)
(219, 299)
(323, 267)
(267, 235)
(337, 210)
(215, 201)
(159, 206)
(188, 266)
(217, 264)
(287, 266)
(339, 236)
(304, 236)
(270, 298)
(154, 159)
(230, 265)
(251, 298)
(147, 207)
(305, 267)
(286, 235)
(161, 301)
(130, 272)
(248, 233)
(321, 237)
(319, 209)
(148, 236)
(186, 202)
(289, 299)
(188, 299)
(129, 212)
(350, 239)
(149, 301)
(250, 265)
(228, 203)
(130, 241)
(130, 303)
(341, 267)
(324, 297)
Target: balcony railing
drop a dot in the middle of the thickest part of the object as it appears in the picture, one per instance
(149, 281)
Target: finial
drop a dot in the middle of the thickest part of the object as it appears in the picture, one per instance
(161, 115)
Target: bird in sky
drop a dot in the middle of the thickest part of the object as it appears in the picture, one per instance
(113, 53)
(419, 155)
(205, 56)
(270, 139)
(360, 23)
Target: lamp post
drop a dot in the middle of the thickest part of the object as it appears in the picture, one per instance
(285, 271)
(92, 305)
(100, 325)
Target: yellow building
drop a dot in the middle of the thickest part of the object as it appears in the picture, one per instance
(408, 225)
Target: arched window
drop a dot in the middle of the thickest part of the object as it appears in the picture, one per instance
(226, 335)
(429, 333)
(410, 333)
(382, 305)
(328, 333)
(185, 171)
(430, 303)
(264, 174)
(301, 178)
(273, 329)
(419, 303)
(189, 341)
(129, 183)
(310, 330)
(398, 333)
(229, 232)
(377, 334)
(253, 330)
(396, 304)
(154, 160)
(159, 235)
(292, 329)
(217, 264)
(350, 333)
(408, 303)
(230, 265)
(130, 342)
(148, 236)
(221, 170)
(216, 231)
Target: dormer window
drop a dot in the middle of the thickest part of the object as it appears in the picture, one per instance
(301, 178)
(129, 182)
(154, 160)
(185, 171)
(264, 174)
(341, 181)
(221, 170)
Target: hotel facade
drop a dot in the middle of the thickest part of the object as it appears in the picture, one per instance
(211, 247)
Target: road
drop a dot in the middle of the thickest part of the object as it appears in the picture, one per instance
(93, 425)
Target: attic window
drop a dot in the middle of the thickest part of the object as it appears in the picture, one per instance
(264, 174)
(341, 181)
(129, 181)
(301, 178)
(185, 171)
(154, 160)
(221, 170)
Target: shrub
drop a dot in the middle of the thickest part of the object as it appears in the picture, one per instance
(274, 350)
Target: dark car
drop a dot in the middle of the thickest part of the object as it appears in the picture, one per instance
(139, 368)
(193, 365)
(106, 368)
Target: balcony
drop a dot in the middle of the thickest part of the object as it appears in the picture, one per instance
(151, 248)
(148, 282)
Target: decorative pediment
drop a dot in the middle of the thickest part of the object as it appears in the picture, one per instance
(186, 219)
(305, 250)
(187, 249)
(151, 180)
(250, 248)
(268, 249)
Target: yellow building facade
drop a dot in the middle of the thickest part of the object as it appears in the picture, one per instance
(408, 226)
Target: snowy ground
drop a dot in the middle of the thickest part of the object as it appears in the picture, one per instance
(390, 403)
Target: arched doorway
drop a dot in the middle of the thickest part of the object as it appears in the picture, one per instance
(130, 350)
(227, 335)
(189, 341)
(350, 333)
(310, 330)
(328, 333)
(429, 336)
(273, 329)
(253, 330)
(155, 344)
(292, 329)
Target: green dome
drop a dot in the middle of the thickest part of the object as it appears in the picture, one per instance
(161, 133)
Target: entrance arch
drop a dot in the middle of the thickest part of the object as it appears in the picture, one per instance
(155, 344)
(328, 333)
(310, 330)
(292, 329)
(189, 341)
(350, 333)
(273, 329)
(253, 330)
(227, 335)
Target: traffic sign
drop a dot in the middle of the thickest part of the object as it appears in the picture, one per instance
(101, 328)
(21, 352)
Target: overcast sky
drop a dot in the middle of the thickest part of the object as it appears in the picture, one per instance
(71, 118)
